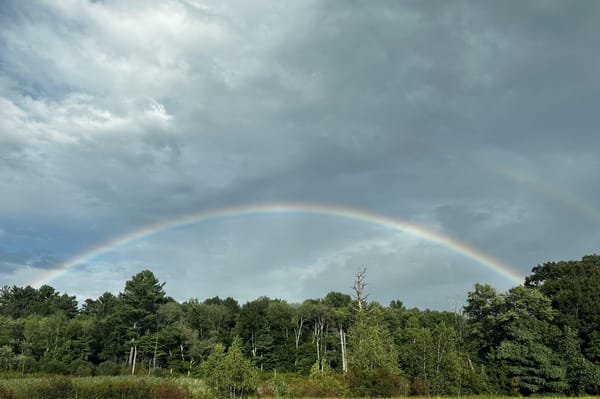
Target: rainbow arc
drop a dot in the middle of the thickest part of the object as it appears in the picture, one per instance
(344, 212)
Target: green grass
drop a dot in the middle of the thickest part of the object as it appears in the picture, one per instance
(127, 387)
(53, 387)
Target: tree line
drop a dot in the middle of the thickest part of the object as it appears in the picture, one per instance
(541, 337)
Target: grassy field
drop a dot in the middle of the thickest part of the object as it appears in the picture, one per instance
(101, 388)
(124, 388)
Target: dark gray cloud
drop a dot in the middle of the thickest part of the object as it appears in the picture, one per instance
(475, 119)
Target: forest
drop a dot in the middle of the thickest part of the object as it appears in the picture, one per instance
(541, 337)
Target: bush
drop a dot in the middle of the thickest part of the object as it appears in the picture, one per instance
(420, 387)
(279, 386)
(54, 367)
(108, 368)
(378, 383)
(27, 364)
(168, 391)
(194, 386)
(275, 386)
(160, 372)
(52, 388)
(229, 374)
(82, 368)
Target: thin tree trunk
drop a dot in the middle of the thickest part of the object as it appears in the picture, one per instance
(134, 360)
(23, 360)
(439, 354)
(155, 350)
(317, 338)
(297, 336)
(130, 359)
(343, 348)
(253, 345)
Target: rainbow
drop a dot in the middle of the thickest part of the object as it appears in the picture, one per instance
(285, 208)
(539, 186)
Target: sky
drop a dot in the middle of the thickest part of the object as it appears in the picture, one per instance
(473, 121)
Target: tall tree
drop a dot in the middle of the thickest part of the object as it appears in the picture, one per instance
(138, 304)
(514, 331)
(574, 288)
(370, 346)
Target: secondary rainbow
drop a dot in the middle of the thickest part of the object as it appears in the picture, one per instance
(286, 208)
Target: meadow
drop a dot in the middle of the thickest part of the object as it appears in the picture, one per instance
(60, 387)
(126, 387)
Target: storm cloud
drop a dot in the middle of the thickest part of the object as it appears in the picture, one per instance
(476, 119)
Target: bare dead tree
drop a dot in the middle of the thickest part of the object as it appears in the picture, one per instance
(359, 290)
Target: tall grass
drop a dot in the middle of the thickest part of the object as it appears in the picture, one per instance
(97, 388)
(52, 387)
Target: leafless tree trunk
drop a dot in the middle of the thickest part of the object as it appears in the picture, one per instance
(155, 350)
(134, 360)
(130, 359)
(131, 348)
(318, 332)
(254, 350)
(298, 336)
(343, 348)
(359, 290)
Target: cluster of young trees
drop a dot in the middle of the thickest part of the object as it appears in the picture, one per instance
(539, 337)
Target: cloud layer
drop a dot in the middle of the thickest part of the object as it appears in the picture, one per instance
(475, 118)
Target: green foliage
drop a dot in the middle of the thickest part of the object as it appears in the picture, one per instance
(95, 388)
(278, 386)
(17, 302)
(144, 292)
(229, 375)
(370, 346)
(541, 338)
(51, 366)
(515, 333)
(101, 307)
(377, 383)
(82, 368)
(53, 387)
(108, 368)
(574, 289)
(371, 349)
(8, 359)
(6, 393)
(326, 386)
(265, 326)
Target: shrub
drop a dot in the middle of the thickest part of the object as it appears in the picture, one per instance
(108, 368)
(379, 383)
(54, 367)
(275, 386)
(194, 386)
(52, 388)
(159, 372)
(27, 364)
(326, 386)
(168, 391)
(420, 387)
(279, 386)
(229, 374)
(82, 368)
